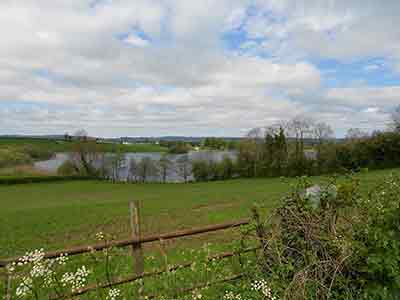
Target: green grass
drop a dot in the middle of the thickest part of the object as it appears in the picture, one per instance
(65, 146)
(54, 215)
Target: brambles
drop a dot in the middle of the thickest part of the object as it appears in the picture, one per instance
(332, 242)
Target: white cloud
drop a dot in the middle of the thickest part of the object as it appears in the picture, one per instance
(63, 64)
(136, 40)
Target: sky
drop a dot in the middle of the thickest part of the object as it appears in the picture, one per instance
(197, 68)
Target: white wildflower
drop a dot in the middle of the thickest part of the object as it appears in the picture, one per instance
(100, 236)
(113, 294)
(76, 280)
(25, 287)
(62, 259)
(262, 286)
(196, 295)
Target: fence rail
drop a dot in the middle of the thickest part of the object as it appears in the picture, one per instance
(129, 242)
(136, 243)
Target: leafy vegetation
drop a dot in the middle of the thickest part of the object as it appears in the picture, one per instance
(332, 241)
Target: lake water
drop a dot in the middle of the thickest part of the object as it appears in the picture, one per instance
(53, 164)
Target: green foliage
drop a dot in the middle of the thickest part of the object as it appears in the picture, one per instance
(179, 147)
(219, 144)
(204, 170)
(12, 157)
(12, 180)
(333, 242)
(67, 169)
(378, 241)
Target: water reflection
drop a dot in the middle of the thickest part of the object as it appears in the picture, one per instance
(172, 174)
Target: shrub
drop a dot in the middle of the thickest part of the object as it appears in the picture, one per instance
(11, 157)
(331, 242)
(67, 169)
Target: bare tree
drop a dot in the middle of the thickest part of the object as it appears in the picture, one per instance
(396, 119)
(133, 170)
(322, 132)
(164, 164)
(184, 167)
(117, 161)
(146, 168)
(356, 134)
(300, 128)
(255, 135)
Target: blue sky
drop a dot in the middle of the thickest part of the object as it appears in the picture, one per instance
(215, 67)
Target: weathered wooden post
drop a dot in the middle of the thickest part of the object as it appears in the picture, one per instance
(137, 252)
(7, 295)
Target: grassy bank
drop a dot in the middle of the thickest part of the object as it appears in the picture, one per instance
(66, 146)
(54, 215)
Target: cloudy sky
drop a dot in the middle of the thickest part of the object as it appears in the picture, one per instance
(183, 67)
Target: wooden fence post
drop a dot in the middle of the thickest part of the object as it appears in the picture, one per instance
(137, 252)
(7, 295)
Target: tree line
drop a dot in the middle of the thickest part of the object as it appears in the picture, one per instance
(300, 146)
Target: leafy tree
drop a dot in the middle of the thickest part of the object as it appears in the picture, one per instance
(85, 154)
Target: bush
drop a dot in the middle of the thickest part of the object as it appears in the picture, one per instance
(331, 242)
(67, 169)
(11, 157)
(11, 180)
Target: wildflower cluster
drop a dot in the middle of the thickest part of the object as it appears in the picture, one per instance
(196, 295)
(25, 287)
(76, 280)
(40, 269)
(100, 236)
(113, 294)
(262, 286)
(229, 295)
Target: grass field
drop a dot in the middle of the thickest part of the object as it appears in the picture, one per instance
(54, 215)
(65, 146)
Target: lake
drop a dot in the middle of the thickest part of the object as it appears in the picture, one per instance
(54, 163)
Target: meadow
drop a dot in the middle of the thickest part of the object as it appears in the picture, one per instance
(53, 145)
(55, 215)
(58, 215)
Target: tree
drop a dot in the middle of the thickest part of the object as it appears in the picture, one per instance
(146, 168)
(183, 167)
(396, 119)
(299, 128)
(200, 169)
(280, 152)
(85, 154)
(255, 137)
(133, 170)
(322, 133)
(164, 164)
(356, 134)
(117, 161)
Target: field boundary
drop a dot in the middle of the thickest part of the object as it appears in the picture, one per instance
(136, 243)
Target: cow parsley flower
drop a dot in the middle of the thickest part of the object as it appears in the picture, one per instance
(113, 294)
(76, 280)
(262, 286)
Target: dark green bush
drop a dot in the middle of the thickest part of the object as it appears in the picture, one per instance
(11, 180)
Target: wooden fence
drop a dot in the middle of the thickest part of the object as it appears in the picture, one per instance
(136, 241)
